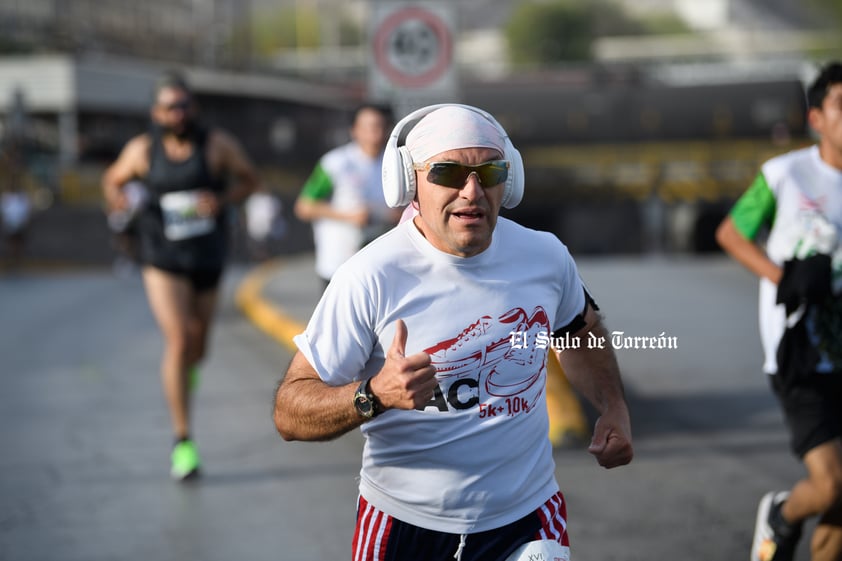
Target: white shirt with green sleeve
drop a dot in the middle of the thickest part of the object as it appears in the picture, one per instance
(798, 198)
(348, 180)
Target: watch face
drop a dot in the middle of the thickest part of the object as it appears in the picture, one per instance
(363, 404)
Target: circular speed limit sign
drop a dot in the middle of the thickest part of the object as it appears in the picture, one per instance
(413, 47)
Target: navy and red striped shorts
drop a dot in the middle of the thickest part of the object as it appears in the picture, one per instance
(380, 537)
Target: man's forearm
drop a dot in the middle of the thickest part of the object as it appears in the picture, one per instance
(309, 210)
(240, 190)
(746, 252)
(595, 373)
(308, 409)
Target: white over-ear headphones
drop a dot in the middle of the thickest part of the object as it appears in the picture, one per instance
(399, 176)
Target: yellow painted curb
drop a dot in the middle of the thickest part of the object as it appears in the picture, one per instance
(264, 315)
(568, 425)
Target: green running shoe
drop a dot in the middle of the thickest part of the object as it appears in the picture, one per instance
(185, 461)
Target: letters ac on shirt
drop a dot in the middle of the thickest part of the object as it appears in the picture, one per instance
(481, 368)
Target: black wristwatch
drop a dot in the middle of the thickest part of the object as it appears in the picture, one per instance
(365, 402)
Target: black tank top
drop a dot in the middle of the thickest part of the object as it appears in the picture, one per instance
(171, 236)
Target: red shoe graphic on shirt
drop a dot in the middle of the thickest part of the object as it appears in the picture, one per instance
(513, 369)
(496, 351)
(520, 367)
(461, 354)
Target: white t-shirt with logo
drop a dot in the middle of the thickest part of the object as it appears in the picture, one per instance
(799, 197)
(478, 456)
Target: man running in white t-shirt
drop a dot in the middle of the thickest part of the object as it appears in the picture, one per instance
(797, 197)
(343, 197)
(433, 340)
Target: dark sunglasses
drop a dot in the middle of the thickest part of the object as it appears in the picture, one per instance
(181, 105)
(451, 174)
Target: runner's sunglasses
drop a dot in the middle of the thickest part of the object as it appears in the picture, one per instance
(451, 174)
(180, 105)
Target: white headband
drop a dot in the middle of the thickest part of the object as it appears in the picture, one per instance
(452, 128)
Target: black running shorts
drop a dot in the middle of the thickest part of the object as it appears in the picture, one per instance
(201, 280)
(813, 410)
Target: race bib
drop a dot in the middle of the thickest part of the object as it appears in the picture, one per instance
(541, 550)
(181, 220)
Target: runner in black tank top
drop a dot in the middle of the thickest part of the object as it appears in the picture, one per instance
(199, 255)
(183, 238)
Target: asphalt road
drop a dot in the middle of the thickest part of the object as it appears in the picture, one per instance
(85, 438)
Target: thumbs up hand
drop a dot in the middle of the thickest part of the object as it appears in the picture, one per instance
(404, 382)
